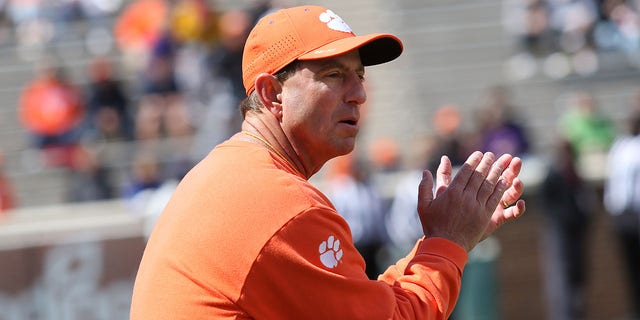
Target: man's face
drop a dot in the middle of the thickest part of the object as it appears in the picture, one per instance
(321, 107)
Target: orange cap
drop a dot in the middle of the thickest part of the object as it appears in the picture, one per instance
(308, 33)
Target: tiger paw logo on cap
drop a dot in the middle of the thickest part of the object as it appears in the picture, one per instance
(334, 22)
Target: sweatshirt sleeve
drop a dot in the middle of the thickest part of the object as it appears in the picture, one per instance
(310, 269)
(396, 270)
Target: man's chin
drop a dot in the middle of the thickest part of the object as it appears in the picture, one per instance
(347, 147)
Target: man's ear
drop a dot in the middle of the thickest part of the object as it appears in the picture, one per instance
(268, 89)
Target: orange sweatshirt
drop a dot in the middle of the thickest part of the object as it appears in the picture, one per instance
(246, 237)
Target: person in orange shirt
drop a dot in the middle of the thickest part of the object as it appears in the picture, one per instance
(50, 105)
(247, 236)
(51, 109)
(139, 25)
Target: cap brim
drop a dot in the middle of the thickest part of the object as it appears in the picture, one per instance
(374, 48)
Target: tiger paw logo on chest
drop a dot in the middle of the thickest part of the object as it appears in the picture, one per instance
(330, 252)
(334, 22)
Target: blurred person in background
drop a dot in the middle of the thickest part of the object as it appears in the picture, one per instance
(8, 198)
(355, 195)
(585, 126)
(478, 298)
(52, 110)
(426, 151)
(384, 154)
(622, 201)
(193, 21)
(161, 111)
(560, 32)
(589, 131)
(448, 136)
(567, 203)
(97, 11)
(618, 27)
(215, 97)
(226, 58)
(146, 173)
(500, 130)
(573, 23)
(88, 178)
(137, 28)
(66, 16)
(150, 182)
(402, 221)
(32, 28)
(109, 117)
(528, 21)
(194, 24)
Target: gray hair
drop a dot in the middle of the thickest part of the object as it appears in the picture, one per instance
(253, 103)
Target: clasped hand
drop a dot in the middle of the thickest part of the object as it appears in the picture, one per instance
(483, 195)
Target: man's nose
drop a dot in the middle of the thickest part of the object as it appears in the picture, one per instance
(357, 93)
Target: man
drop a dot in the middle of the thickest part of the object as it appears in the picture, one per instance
(246, 236)
(621, 190)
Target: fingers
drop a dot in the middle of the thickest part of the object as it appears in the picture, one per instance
(425, 191)
(500, 217)
(515, 211)
(498, 169)
(483, 181)
(443, 175)
(481, 172)
(482, 175)
(509, 214)
(461, 179)
(513, 193)
(490, 190)
(512, 171)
